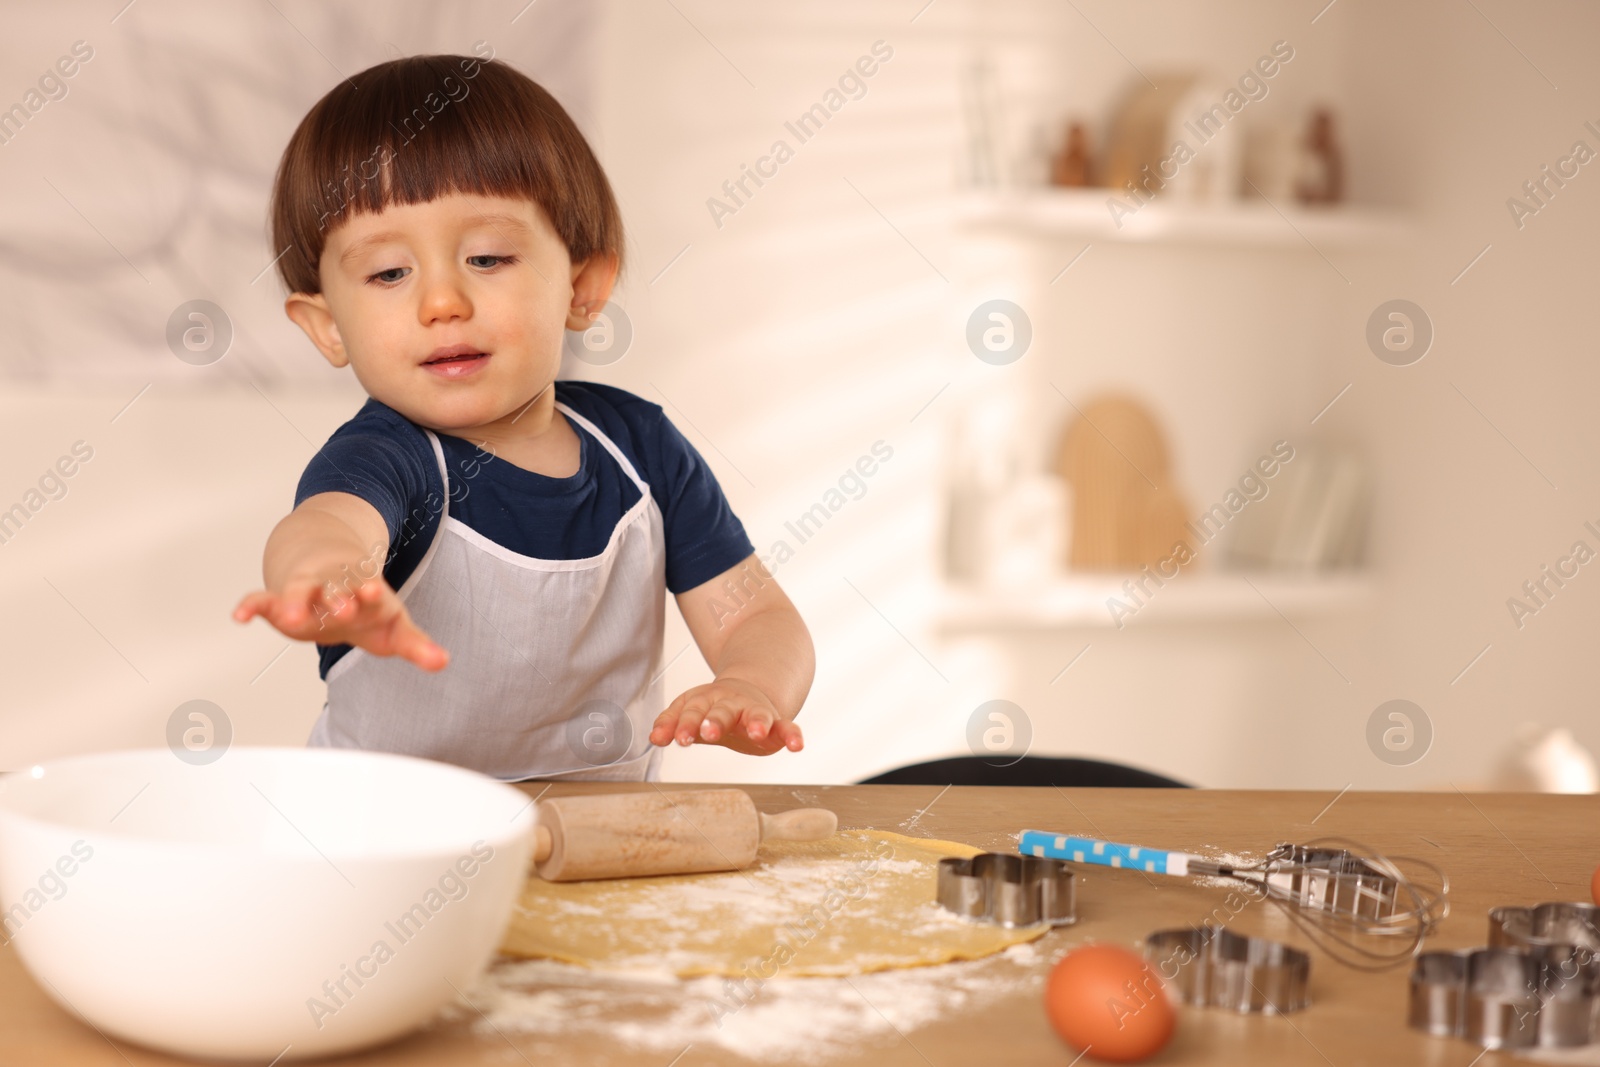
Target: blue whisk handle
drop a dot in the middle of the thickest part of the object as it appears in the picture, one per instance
(1104, 853)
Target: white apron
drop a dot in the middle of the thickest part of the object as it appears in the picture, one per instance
(555, 664)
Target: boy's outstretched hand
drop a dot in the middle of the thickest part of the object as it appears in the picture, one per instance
(373, 618)
(729, 712)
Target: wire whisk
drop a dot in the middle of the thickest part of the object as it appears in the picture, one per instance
(1365, 910)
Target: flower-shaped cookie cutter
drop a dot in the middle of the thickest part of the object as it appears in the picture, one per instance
(1536, 985)
(1508, 998)
(1008, 890)
(1556, 923)
(1213, 966)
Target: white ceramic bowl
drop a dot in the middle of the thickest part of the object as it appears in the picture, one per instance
(280, 900)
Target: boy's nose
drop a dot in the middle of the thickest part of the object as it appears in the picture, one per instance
(443, 299)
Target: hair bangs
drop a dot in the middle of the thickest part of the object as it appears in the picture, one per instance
(412, 130)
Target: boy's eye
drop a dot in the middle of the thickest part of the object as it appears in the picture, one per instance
(388, 277)
(394, 275)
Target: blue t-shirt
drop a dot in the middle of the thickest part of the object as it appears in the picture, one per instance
(386, 459)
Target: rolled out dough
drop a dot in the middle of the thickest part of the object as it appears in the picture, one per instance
(860, 901)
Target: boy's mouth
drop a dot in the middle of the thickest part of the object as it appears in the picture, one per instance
(456, 361)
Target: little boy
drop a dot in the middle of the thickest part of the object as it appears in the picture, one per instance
(443, 223)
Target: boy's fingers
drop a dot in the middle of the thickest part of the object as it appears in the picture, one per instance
(666, 721)
(288, 612)
(661, 732)
(307, 609)
(274, 610)
(788, 732)
(376, 600)
(297, 604)
(374, 609)
(386, 629)
(718, 721)
(752, 721)
(251, 605)
(374, 592)
(758, 722)
(689, 721)
(339, 606)
(419, 648)
(422, 650)
(374, 604)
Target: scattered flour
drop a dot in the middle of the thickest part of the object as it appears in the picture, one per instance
(545, 1004)
(1232, 859)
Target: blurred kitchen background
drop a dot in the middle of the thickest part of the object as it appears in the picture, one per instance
(1057, 389)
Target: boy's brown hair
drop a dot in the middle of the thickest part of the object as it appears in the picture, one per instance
(414, 129)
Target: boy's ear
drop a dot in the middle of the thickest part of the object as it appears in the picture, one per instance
(310, 312)
(591, 288)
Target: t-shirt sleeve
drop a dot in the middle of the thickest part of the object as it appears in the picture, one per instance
(373, 466)
(704, 537)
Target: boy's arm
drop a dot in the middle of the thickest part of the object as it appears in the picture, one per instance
(755, 641)
(323, 569)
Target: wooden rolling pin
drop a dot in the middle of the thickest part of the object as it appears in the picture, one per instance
(626, 835)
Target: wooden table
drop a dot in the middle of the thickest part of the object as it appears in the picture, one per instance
(1497, 848)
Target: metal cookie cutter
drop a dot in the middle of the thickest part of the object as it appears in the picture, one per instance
(1508, 998)
(1547, 924)
(1008, 890)
(1212, 966)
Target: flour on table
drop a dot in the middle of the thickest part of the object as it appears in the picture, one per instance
(1231, 859)
(547, 1004)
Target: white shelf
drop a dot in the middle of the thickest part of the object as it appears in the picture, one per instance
(1080, 601)
(1082, 214)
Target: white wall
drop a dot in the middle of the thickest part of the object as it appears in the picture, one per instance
(1455, 117)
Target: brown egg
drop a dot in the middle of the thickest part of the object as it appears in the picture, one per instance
(1106, 1001)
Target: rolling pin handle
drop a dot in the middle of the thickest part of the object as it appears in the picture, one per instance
(801, 824)
(541, 843)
